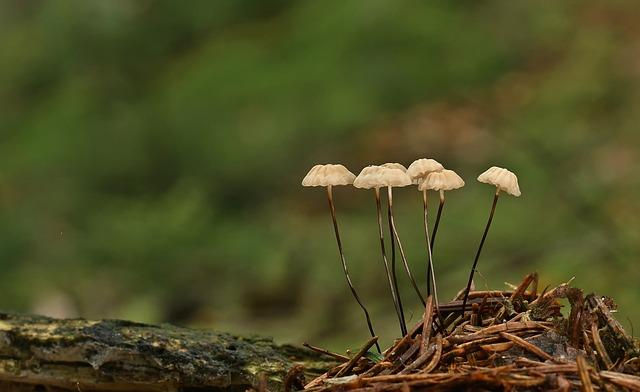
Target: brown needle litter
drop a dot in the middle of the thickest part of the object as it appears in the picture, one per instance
(531, 354)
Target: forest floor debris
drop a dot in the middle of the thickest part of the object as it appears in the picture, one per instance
(506, 340)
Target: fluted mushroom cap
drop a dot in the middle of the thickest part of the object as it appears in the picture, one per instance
(420, 168)
(369, 177)
(393, 165)
(325, 175)
(502, 178)
(445, 180)
(394, 178)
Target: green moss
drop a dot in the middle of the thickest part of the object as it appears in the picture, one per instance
(121, 350)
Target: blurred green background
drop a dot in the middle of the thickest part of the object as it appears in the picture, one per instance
(152, 153)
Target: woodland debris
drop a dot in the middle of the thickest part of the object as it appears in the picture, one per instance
(532, 349)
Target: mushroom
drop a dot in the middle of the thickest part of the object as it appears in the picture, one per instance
(503, 180)
(329, 176)
(370, 178)
(418, 170)
(441, 181)
(391, 177)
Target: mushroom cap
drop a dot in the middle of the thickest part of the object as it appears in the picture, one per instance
(394, 165)
(502, 178)
(420, 168)
(394, 177)
(445, 180)
(369, 177)
(326, 175)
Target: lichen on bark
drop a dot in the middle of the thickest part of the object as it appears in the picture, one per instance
(117, 355)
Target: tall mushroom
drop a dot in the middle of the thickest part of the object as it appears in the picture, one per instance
(441, 181)
(329, 176)
(370, 178)
(391, 177)
(418, 170)
(503, 180)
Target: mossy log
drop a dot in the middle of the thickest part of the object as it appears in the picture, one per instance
(44, 354)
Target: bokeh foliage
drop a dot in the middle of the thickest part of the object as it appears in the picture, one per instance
(152, 153)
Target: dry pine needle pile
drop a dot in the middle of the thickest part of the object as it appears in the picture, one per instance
(507, 340)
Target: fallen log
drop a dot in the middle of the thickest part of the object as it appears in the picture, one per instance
(44, 354)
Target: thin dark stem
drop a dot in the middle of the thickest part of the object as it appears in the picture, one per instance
(394, 276)
(431, 277)
(394, 295)
(433, 238)
(437, 224)
(475, 262)
(404, 258)
(344, 263)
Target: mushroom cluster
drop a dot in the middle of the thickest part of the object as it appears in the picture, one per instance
(428, 175)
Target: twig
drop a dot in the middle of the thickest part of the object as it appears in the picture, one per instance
(326, 352)
(518, 326)
(526, 345)
(621, 379)
(524, 285)
(496, 347)
(420, 360)
(583, 372)
(597, 342)
(352, 362)
(436, 357)
(597, 305)
(427, 324)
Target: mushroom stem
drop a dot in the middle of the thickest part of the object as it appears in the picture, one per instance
(433, 237)
(392, 287)
(394, 277)
(392, 226)
(438, 215)
(344, 263)
(431, 275)
(475, 262)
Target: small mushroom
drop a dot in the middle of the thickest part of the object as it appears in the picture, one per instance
(391, 178)
(329, 176)
(505, 181)
(420, 168)
(440, 181)
(370, 178)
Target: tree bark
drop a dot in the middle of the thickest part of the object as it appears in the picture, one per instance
(43, 354)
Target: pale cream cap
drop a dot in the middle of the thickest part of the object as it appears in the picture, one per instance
(394, 165)
(502, 178)
(369, 177)
(445, 180)
(326, 175)
(394, 178)
(420, 168)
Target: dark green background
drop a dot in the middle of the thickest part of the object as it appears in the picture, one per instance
(151, 153)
